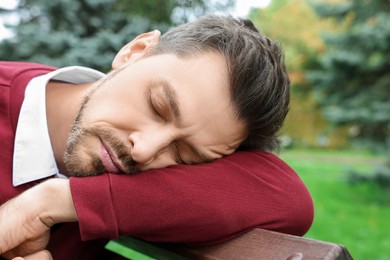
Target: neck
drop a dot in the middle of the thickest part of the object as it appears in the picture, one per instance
(63, 101)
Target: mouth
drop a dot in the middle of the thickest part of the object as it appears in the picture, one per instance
(109, 160)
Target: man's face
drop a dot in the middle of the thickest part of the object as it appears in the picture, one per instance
(159, 111)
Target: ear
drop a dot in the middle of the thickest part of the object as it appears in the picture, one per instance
(136, 49)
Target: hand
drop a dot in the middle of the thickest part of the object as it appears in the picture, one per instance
(41, 255)
(25, 221)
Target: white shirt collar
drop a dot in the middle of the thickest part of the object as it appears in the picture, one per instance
(33, 154)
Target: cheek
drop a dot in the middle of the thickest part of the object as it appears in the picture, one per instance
(120, 107)
(83, 144)
(120, 118)
(111, 108)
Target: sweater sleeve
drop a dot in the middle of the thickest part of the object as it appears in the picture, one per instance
(200, 204)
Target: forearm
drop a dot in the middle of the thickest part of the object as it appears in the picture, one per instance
(205, 203)
(56, 202)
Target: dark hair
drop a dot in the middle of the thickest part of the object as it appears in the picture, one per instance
(259, 84)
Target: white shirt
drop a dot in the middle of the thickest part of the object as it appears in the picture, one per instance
(33, 154)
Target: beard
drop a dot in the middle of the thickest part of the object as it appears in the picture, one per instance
(76, 162)
(79, 165)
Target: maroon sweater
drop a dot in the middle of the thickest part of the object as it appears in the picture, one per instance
(200, 204)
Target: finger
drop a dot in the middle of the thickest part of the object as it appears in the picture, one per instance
(41, 255)
(29, 247)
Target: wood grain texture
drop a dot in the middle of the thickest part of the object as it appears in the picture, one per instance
(255, 244)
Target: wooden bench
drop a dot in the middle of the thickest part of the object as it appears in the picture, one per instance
(256, 244)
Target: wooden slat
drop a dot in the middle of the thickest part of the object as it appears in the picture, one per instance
(263, 244)
(256, 244)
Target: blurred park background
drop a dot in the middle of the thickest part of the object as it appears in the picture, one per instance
(338, 56)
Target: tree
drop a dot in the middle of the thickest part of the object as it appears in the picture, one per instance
(353, 82)
(90, 32)
(296, 26)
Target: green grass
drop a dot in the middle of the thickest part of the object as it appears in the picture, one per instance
(357, 216)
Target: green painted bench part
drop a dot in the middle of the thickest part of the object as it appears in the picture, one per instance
(255, 244)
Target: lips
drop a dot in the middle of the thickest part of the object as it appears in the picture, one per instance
(109, 161)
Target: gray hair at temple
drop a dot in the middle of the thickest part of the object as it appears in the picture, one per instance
(259, 84)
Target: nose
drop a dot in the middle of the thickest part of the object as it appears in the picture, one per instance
(147, 146)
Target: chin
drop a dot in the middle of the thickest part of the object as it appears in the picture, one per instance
(83, 166)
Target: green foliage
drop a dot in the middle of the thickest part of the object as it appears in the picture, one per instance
(353, 83)
(90, 32)
(296, 26)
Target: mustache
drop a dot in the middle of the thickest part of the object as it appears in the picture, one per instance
(117, 147)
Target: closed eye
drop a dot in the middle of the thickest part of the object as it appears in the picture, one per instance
(153, 106)
(176, 153)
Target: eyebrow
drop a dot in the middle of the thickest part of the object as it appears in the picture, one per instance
(172, 98)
